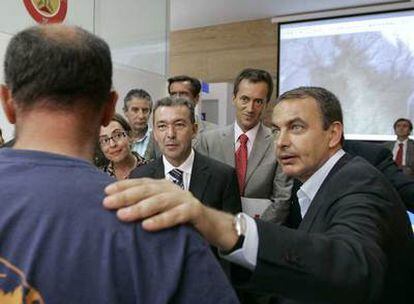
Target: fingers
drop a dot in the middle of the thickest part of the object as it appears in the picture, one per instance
(180, 214)
(160, 203)
(150, 206)
(128, 183)
(128, 192)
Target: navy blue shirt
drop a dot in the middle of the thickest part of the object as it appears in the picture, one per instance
(59, 244)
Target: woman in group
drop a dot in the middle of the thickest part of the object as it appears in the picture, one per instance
(115, 144)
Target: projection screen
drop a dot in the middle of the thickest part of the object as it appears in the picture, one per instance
(366, 60)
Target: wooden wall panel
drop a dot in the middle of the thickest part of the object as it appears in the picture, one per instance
(219, 53)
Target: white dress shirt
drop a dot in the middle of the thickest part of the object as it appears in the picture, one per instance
(251, 135)
(186, 167)
(396, 147)
(308, 190)
(247, 255)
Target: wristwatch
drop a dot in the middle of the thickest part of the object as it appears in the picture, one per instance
(240, 225)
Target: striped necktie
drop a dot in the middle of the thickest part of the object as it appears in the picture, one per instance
(177, 177)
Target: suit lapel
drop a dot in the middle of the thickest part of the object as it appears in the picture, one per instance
(158, 169)
(410, 151)
(199, 177)
(262, 143)
(322, 198)
(227, 142)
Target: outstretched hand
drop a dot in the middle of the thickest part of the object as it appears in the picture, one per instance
(158, 203)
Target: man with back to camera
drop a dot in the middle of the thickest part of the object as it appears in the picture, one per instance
(354, 242)
(247, 145)
(137, 110)
(54, 234)
(403, 147)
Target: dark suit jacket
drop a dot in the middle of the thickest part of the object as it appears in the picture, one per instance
(351, 246)
(212, 182)
(409, 156)
(381, 158)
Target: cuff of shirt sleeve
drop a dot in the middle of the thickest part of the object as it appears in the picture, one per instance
(247, 255)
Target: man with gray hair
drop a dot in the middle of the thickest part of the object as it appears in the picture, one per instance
(54, 236)
(137, 109)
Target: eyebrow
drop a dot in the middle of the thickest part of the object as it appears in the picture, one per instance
(291, 121)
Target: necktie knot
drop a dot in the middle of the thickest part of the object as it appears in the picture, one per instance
(401, 145)
(177, 177)
(243, 139)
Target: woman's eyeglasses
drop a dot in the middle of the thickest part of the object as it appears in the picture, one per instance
(116, 137)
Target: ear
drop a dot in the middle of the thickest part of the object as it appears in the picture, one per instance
(195, 130)
(234, 99)
(8, 104)
(196, 99)
(109, 108)
(336, 132)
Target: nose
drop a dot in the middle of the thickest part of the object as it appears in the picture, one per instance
(171, 132)
(112, 142)
(140, 114)
(250, 106)
(281, 140)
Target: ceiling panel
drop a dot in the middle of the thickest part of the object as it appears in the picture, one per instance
(186, 14)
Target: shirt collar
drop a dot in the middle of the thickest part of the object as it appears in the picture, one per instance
(308, 190)
(402, 142)
(251, 134)
(186, 166)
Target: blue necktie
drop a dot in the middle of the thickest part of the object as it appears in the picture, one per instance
(177, 177)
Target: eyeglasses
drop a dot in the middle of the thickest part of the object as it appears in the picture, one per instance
(116, 137)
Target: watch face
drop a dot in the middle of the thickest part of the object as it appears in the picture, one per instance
(240, 224)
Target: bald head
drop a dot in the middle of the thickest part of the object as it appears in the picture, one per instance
(60, 65)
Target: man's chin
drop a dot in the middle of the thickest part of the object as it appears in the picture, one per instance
(139, 128)
(290, 171)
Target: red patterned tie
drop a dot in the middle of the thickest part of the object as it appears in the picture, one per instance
(241, 161)
(399, 156)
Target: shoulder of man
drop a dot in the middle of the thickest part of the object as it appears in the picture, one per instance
(148, 169)
(214, 164)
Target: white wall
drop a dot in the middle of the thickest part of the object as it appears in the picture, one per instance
(136, 31)
(223, 92)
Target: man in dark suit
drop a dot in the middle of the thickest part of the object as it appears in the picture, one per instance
(378, 156)
(381, 157)
(352, 245)
(212, 182)
(403, 147)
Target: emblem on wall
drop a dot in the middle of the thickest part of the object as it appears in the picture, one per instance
(47, 11)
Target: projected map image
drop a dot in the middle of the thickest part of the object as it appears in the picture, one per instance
(371, 72)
